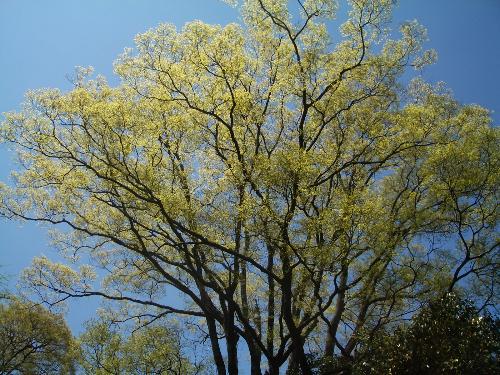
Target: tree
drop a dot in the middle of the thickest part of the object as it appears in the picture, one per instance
(3, 292)
(150, 350)
(34, 341)
(447, 337)
(293, 193)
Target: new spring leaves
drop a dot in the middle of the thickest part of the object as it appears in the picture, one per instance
(282, 182)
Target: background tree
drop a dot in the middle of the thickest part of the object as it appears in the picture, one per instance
(150, 350)
(34, 341)
(447, 337)
(3, 289)
(290, 190)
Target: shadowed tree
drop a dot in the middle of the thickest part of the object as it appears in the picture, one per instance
(448, 336)
(278, 189)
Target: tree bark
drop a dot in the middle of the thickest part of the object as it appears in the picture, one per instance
(335, 321)
(214, 341)
(232, 343)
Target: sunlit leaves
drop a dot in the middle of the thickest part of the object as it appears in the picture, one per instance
(260, 159)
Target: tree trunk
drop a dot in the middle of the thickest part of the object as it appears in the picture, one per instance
(214, 341)
(335, 321)
(255, 359)
(270, 303)
(296, 337)
(231, 343)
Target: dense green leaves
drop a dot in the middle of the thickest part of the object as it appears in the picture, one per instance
(34, 341)
(447, 337)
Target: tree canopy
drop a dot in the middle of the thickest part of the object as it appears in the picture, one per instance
(3, 290)
(150, 350)
(448, 336)
(34, 341)
(279, 188)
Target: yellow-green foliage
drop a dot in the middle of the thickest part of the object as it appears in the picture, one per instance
(150, 350)
(277, 181)
(34, 341)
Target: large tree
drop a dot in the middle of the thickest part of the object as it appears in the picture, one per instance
(289, 189)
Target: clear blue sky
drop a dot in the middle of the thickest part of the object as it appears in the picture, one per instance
(42, 41)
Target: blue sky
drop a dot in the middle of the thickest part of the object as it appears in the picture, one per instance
(42, 41)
